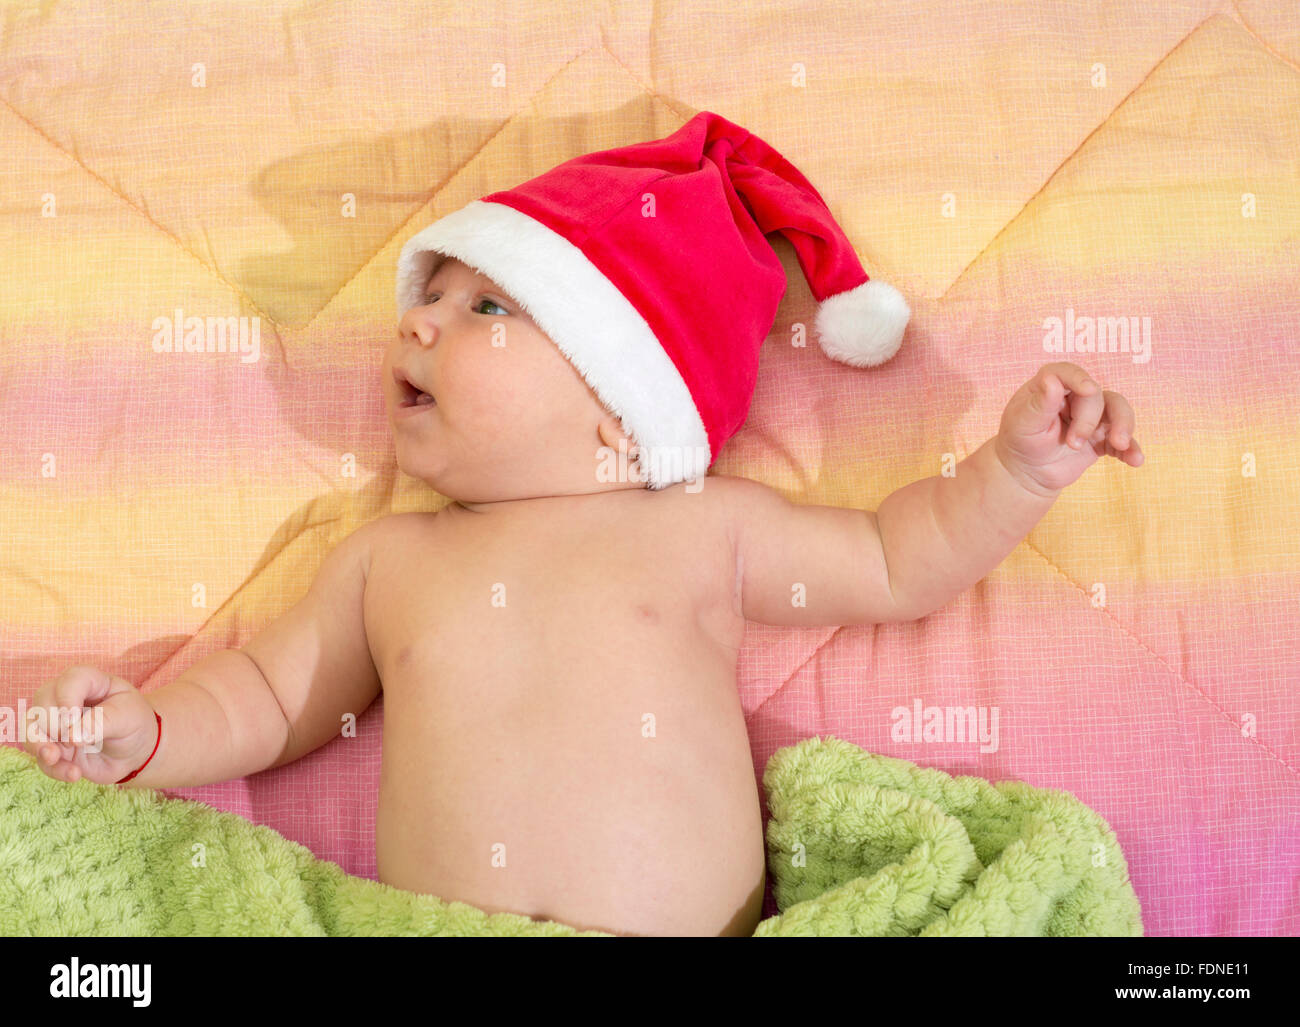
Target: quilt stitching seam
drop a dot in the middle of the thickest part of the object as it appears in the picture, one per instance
(402, 225)
(795, 671)
(1070, 157)
(470, 159)
(262, 564)
(54, 145)
(1236, 9)
(1137, 640)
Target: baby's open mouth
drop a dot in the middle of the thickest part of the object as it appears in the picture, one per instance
(412, 394)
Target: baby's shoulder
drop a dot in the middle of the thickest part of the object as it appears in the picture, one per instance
(739, 503)
(387, 532)
(727, 490)
(718, 500)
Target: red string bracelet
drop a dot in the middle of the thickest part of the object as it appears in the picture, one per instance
(155, 749)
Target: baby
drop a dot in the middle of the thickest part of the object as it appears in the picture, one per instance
(557, 647)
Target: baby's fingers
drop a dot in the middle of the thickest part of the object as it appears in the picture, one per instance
(1086, 410)
(40, 746)
(57, 763)
(65, 770)
(54, 758)
(1119, 412)
(1131, 454)
(1118, 433)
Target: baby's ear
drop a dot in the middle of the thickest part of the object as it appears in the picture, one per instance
(611, 431)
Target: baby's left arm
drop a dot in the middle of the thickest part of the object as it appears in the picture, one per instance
(933, 539)
(942, 535)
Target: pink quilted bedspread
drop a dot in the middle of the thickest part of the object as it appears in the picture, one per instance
(1002, 166)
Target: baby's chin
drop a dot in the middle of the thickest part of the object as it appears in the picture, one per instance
(447, 483)
(413, 465)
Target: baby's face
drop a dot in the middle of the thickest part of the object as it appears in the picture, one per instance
(510, 419)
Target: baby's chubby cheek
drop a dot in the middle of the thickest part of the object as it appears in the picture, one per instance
(496, 388)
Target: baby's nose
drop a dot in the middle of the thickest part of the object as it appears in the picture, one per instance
(415, 325)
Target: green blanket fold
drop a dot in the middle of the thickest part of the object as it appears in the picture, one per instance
(872, 846)
(858, 844)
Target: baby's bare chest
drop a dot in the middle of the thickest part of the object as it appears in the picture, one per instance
(531, 600)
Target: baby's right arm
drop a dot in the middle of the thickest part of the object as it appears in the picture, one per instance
(237, 711)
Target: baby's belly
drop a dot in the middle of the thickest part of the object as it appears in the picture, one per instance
(615, 795)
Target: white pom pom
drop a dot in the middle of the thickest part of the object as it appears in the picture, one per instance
(864, 326)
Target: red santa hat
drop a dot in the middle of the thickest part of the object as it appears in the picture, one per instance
(647, 266)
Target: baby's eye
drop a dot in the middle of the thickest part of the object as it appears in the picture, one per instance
(433, 296)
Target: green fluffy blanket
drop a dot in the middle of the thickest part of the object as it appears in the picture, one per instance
(858, 844)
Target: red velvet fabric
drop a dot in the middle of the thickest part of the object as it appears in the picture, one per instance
(678, 226)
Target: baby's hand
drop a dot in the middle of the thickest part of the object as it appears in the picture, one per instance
(129, 729)
(1057, 425)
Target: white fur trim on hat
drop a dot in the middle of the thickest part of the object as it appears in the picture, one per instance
(863, 326)
(594, 325)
